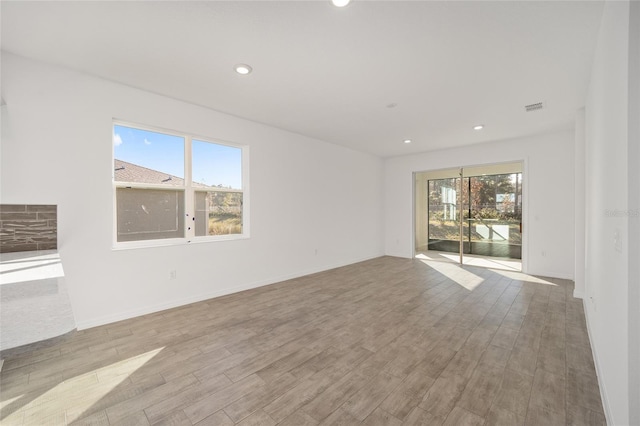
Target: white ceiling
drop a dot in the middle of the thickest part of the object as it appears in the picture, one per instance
(330, 73)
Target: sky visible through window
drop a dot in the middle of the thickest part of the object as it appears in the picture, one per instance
(215, 164)
(212, 164)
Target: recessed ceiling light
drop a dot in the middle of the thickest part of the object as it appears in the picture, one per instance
(243, 69)
(407, 141)
(340, 3)
(478, 127)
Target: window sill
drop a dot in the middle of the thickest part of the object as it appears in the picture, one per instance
(133, 245)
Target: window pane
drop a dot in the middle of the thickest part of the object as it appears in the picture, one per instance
(216, 165)
(444, 215)
(149, 214)
(218, 213)
(147, 157)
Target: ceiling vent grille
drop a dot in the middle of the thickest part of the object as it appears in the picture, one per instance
(533, 107)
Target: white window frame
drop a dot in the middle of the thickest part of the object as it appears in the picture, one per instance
(187, 189)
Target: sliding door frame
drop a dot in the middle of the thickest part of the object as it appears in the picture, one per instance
(525, 203)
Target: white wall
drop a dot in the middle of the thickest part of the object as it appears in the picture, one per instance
(607, 190)
(56, 149)
(633, 164)
(579, 204)
(548, 196)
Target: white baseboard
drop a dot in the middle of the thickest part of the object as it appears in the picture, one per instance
(603, 392)
(578, 295)
(551, 274)
(399, 254)
(120, 316)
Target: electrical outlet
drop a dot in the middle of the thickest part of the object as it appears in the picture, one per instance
(173, 274)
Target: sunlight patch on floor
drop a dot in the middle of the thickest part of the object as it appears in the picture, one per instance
(7, 402)
(496, 263)
(463, 277)
(80, 392)
(524, 277)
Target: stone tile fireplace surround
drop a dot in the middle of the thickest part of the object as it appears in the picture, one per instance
(28, 227)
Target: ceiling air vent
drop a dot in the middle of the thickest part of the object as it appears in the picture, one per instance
(533, 107)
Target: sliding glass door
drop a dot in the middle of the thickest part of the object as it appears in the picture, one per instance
(477, 212)
(495, 215)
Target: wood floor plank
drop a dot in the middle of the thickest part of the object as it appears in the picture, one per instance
(513, 320)
(387, 341)
(505, 337)
(577, 415)
(443, 395)
(381, 418)
(523, 359)
(481, 390)
(494, 356)
(299, 418)
(514, 393)
(96, 419)
(190, 362)
(548, 391)
(580, 359)
(335, 395)
(174, 418)
(102, 395)
(136, 419)
(266, 359)
(363, 402)
(552, 359)
(258, 418)
(286, 363)
(419, 417)
(583, 390)
(148, 398)
(208, 405)
(340, 418)
(462, 417)
(317, 363)
(260, 397)
(577, 336)
(501, 417)
(435, 361)
(463, 363)
(216, 419)
(537, 416)
(407, 395)
(295, 398)
(186, 396)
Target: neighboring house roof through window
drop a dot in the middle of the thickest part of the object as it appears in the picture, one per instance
(129, 172)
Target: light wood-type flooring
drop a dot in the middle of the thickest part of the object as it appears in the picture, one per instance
(384, 342)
